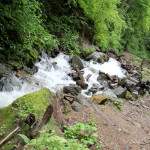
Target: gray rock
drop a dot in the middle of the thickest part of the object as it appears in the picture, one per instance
(134, 80)
(120, 91)
(110, 94)
(135, 94)
(146, 80)
(76, 62)
(80, 98)
(75, 76)
(73, 89)
(129, 83)
(35, 69)
(4, 71)
(76, 106)
(104, 83)
(142, 91)
(9, 83)
(28, 70)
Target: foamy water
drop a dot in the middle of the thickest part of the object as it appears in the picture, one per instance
(53, 74)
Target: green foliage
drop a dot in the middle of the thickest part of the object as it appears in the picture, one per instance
(118, 104)
(136, 37)
(52, 142)
(22, 30)
(35, 103)
(83, 132)
(110, 24)
(107, 23)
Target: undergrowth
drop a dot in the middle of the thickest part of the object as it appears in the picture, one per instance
(80, 136)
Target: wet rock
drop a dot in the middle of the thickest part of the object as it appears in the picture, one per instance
(82, 84)
(96, 87)
(89, 57)
(35, 69)
(115, 79)
(93, 90)
(113, 85)
(28, 70)
(9, 83)
(101, 76)
(104, 83)
(130, 85)
(128, 95)
(55, 51)
(4, 71)
(75, 76)
(76, 62)
(76, 106)
(80, 98)
(103, 58)
(120, 91)
(110, 94)
(74, 90)
(99, 98)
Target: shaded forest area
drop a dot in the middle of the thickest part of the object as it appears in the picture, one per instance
(30, 26)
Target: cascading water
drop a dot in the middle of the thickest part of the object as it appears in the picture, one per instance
(53, 74)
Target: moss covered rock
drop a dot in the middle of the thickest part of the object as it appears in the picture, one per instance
(35, 103)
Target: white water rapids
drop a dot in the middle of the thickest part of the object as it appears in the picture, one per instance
(53, 74)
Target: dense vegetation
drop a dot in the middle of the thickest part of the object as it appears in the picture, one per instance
(28, 27)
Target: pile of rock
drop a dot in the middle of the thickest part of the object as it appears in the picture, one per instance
(111, 87)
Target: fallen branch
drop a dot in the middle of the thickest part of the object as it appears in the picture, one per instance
(66, 95)
(88, 77)
(80, 74)
(9, 135)
(69, 99)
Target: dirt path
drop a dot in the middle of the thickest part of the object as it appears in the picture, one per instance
(132, 126)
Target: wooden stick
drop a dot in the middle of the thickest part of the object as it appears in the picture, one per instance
(9, 135)
(88, 76)
(66, 95)
(69, 99)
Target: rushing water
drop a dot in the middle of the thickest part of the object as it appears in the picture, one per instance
(53, 74)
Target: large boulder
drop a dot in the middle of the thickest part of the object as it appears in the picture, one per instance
(72, 89)
(15, 114)
(76, 106)
(80, 98)
(99, 98)
(110, 94)
(76, 62)
(120, 91)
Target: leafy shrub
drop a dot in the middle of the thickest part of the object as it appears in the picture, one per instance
(52, 142)
(118, 104)
(83, 132)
